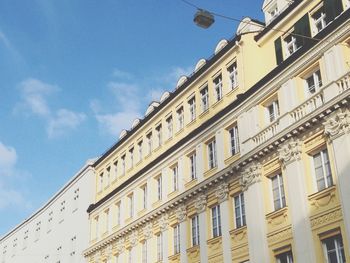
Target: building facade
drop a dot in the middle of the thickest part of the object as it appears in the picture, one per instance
(57, 232)
(247, 160)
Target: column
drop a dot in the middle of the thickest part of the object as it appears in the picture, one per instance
(222, 196)
(164, 225)
(181, 215)
(201, 205)
(147, 234)
(337, 127)
(290, 155)
(255, 213)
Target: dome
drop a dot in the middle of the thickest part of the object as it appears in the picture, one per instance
(200, 64)
(164, 96)
(122, 134)
(181, 81)
(135, 123)
(151, 107)
(222, 43)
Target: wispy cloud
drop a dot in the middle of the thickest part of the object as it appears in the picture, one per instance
(8, 159)
(5, 41)
(34, 100)
(121, 74)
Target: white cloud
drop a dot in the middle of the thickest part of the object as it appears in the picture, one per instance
(62, 121)
(34, 99)
(120, 74)
(5, 41)
(8, 159)
(171, 77)
(13, 198)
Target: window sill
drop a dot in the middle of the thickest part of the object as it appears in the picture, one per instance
(204, 113)
(174, 257)
(191, 122)
(214, 240)
(173, 194)
(179, 131)
(157, 203)
(233, 90)
(211, 171)
(193, 249)
(191, 183)
(142, 212)
(232, 158)
(217, 103)
(239, 231)
(158, 147)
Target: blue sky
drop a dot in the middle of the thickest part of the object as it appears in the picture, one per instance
(74, 73)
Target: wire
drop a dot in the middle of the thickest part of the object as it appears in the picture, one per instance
(248, 22)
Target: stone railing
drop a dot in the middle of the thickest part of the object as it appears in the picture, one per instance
(344, 83)
(310, 105)
(267, 133)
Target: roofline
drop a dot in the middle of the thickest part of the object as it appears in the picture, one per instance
(88, 164)
(231, 43)
(240, 99)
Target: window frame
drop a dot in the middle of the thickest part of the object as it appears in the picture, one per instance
(195, 234)
(204, 98)
(281, 197)
(212, 154)
(216, 221)
(238, 203)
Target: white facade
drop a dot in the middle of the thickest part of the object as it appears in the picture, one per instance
(58, 231)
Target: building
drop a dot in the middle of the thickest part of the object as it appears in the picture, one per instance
(247, 160)
(57, 232)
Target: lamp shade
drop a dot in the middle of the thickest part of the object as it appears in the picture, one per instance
(203, 18)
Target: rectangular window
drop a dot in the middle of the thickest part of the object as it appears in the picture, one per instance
(239, 210)
(144, 252)
(234, 142)
(192, 107)
(144, 191)
(108, 176)
(149, 143)
(76, 199)
(177, 239)
(193, 167)
(159, 187)
(100, 182)
(195, 230)
(319, 20)
(285, 257)
(49, 222)
(273, 12)
(97, 230)
(212, 154)
(123, 164)
(131, 205)
(159, 135)
(180, 118)
(140, 150)
(115, 168)
(218, 87)
(216, 220)
(314, 82)
(290, 43)
(175, 171)
(131, 154)
(273, 111)
(169, 124)
(322, 170)
(233, 75)
(279, 199)
(333, 249)
(160, 247)
(107, 221)
(118, 213)
(205, 98)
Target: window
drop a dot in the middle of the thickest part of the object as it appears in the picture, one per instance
(218, 87)
(123, 165)
(115, 168)
(205, 98)
(25, 239)
(232, 71)
(216, 220)
(159, 187)
(159, 135)
(234, 140)
(195, 230)
(212, 154)
(97, 230)
(144, 252)
(131, 154)
(192, 107)
(175, 171)
(140, 150)
(131, 205)
(144, 191)
(160, 247)
(279, 199)
(314, 82)
(290, 42)
(107, 221)
(322, 170)
(100, 182)
(75, 200)
(193, 166)
(177, 239)
(169, 123)
(319, 19)
(62, 209)
(180, 118)
(273, 12)
(49, 222)
(118, 213)
(149, 143)
(285, 257)
(73, 245)
(273, 111)
(333, 249)
(108, 176)
(239, 210)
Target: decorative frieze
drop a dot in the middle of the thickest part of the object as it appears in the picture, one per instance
(133, 238)
(120, 245)
(148, 231)
(250, 175)
(200, 203)
(337, 123)
(163, 222)
(290, 151)
(222, 192)
(181, 213)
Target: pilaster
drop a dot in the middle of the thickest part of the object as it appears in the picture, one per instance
(181, 215)
(201, 205)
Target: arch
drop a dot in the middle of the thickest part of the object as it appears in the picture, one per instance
(164, 96)
(181, 81)
(222, 43)
(200, 64)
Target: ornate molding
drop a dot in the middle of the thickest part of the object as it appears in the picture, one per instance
(337, 123)
(326, 218)
(120, 245)
(222, 192)
(148, 231)
(163, 222)
(181, 213)
(133, 238)
(200, 203)
(250, 175)
(290, 151)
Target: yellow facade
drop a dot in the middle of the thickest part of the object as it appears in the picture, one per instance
(244, 161)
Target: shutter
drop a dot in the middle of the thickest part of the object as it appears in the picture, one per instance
(332, 8)
(302, 28)
(278, 50)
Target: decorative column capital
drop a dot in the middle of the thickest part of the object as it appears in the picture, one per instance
(148, 231)
(200, 203)
(222, 192)
(163, 222)
(120, 245)
(181, 213)
(250, 175)
(133, 238)
(290, 151)
(337, 123)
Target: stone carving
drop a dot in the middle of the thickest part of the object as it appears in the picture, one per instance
(181, 213)
(148, 231)
(200, 203)
(250, 175)
(290, 151)
(109, 251)
(326, 219)
(120, 245)
(133, 238)
(222, 192)
(337, 123)
(163, 222)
